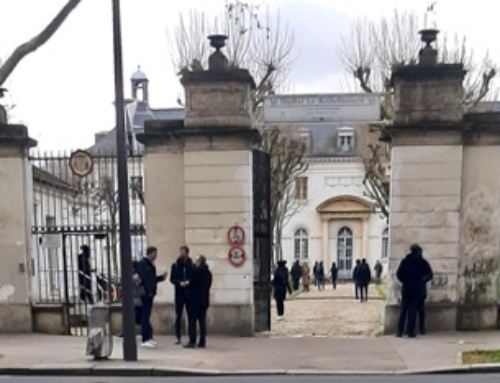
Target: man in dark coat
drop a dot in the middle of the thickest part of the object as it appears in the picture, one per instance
(334, 271)
(355, 277)
(201, 283)
(180, 276)
(364, 279)
(296, 274)
(427, 277)
(84, 275)
(146, 270)
(281, 285)
(413, 272)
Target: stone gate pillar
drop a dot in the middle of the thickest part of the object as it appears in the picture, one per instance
(426, 179)
(198, 175)
(15, 228)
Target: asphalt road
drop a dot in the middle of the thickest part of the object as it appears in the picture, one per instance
(477, 378)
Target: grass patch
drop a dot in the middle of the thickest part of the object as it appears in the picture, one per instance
(481, 356)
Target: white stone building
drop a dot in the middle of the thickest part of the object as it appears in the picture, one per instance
(334, 220)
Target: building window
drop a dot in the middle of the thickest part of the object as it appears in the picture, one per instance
(301, 188)
(344, 249)
(385, 244)
(137, 187)
(345, 141)
(301, 244)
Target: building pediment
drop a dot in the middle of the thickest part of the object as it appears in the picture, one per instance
(345, 204)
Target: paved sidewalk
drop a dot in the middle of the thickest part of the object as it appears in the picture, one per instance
(47, 354)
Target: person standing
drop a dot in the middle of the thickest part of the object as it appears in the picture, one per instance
(364, 279)
(84, 275)
(315, 273)
(334, 271)
(201, 283)
(355, 278)
(427, 276)
(180, 276)
(412, 272)
(149, 280)
(296, 274)
(321, 276)
(281, 285)
(378, 271)
(306, 277)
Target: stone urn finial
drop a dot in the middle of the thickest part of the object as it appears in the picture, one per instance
(217, 60)
(217, 41)
(428, 55)
(428, 36)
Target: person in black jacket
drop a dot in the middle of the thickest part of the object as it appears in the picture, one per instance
(364, 279)
(201, 283)
(281, 285)
(146, 270)
(84, 275)
(413, 272)
(181, 274)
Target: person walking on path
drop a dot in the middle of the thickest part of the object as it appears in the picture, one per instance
(201, 283)
(306, 277)
(180, 276)
(364, 278)
(146, 270)
(413, 272)
(378, 268)
(281, 286)
(355, 278)
(321, 276)
(334, 271)
(296, 274)
(315, 273)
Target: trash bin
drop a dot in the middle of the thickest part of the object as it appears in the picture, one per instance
(99, 338)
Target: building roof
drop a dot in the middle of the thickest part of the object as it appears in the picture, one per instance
(139, 75)
(45, 178)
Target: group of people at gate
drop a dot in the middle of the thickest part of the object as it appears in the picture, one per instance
(192, 281)
(361, 276)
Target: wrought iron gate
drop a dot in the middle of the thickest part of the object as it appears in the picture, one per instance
(73, 211)
(262, 237)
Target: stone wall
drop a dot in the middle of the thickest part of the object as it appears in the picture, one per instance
(480, 239)
(425, 209)
(15, 225)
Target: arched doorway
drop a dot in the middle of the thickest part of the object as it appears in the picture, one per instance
(344, 252)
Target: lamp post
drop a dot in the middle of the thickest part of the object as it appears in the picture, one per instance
(128, 320)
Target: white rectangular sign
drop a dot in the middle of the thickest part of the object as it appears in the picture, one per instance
(360, 107)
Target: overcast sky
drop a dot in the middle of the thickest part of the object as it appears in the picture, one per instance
(64, 91)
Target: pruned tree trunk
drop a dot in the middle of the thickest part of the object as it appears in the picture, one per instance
(36, 42)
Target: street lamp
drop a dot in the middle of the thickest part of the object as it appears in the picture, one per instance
(128, 320)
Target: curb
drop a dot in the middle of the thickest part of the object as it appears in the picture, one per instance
(146, 371)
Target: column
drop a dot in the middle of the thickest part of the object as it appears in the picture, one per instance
(366, 237)
(325, 242)
(15, 228)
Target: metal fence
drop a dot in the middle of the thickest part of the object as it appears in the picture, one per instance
(71, 213)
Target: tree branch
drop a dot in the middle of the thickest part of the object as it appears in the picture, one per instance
(36, 42)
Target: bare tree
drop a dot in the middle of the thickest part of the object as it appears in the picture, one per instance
(287, 163)
(256, 41)
(105, 195)
(8, 66)
(263, 45)
(369, 53)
